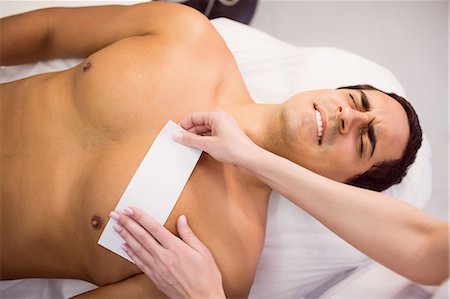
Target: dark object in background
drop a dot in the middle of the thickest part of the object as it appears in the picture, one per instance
(238, 10)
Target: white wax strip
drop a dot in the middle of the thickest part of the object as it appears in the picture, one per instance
(157, 183)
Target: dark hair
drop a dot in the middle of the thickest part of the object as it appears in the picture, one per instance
(385, 174)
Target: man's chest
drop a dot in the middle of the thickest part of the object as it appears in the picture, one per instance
(124, 93)
(211, 200)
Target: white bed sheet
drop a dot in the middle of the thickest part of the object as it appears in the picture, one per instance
(300, 256)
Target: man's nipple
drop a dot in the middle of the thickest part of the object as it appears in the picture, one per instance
(96, 222)
(87, 66)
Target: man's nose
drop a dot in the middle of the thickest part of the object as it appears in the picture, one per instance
(350, 119)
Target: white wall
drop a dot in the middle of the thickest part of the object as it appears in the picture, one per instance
(409, 38)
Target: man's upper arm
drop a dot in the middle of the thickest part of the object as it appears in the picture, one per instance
(78, 32)
(138, 286)
(83, 31)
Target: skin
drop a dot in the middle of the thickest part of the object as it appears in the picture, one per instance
(72, 140)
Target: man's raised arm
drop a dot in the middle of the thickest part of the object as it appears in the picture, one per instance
(78, 32)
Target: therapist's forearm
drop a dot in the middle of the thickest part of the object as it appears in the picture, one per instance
(390, 231)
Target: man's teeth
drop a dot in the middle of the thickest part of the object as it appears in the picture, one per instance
(319, 125)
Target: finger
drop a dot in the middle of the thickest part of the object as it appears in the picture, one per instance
(188, 235)
(147, 269)
(158, 232)
(137, 247)
(196, 119)
(198, 130)
(193, 140)
(133, 233)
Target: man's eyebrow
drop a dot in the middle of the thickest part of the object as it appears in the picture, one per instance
(364, 100)
(372, 138)
(371, 131)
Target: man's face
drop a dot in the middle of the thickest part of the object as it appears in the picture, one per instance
(360, 128)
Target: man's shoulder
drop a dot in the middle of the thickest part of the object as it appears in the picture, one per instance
(203, 41)
(190, 29)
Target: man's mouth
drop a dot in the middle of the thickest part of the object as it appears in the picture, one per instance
(319, 125)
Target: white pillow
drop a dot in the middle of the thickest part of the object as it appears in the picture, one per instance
(300, 254)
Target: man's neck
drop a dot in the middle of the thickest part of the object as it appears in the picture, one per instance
(261, 123)
(258, 121)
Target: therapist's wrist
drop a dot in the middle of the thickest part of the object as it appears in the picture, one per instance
(249, 157)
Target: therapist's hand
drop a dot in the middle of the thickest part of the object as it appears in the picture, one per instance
(218, 134)
(179, 268)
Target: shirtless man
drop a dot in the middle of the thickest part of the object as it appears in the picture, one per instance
(72, 140)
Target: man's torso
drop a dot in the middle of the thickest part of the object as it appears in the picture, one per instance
(71, 141)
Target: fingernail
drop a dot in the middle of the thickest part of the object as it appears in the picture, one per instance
(177, 136)
(128, 211)
(183, 220)
(124, 247)
(117, 228)
(114, 215)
